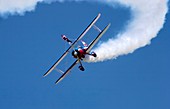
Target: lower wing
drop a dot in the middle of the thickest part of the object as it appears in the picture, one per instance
(67, 71)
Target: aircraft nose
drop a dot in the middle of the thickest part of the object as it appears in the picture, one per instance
(74, 54)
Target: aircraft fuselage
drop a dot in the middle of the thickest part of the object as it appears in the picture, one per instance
(79, 52)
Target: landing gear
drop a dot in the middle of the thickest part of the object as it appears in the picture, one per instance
(94, 54)
(81, 68)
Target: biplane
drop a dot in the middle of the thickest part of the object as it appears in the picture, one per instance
(79, 52)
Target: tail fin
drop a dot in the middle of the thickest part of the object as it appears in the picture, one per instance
(84, 43)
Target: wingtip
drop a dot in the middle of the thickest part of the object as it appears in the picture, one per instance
(99, 14)
(109, 24)
(45, 75)
(56, 82)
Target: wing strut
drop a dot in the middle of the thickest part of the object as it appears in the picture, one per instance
(97, 38)
(68, 70)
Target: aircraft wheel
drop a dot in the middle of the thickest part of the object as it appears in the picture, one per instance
(81, 68)
(94, 54)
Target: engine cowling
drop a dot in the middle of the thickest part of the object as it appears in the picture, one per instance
(75, 53)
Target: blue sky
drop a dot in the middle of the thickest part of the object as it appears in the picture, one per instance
(30, 44)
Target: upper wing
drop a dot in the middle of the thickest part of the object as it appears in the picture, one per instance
(87, 29)
(97, 38)
(67, 51)
(68, 70)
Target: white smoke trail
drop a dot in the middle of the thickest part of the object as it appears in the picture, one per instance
(12, 7)
(149, 17)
